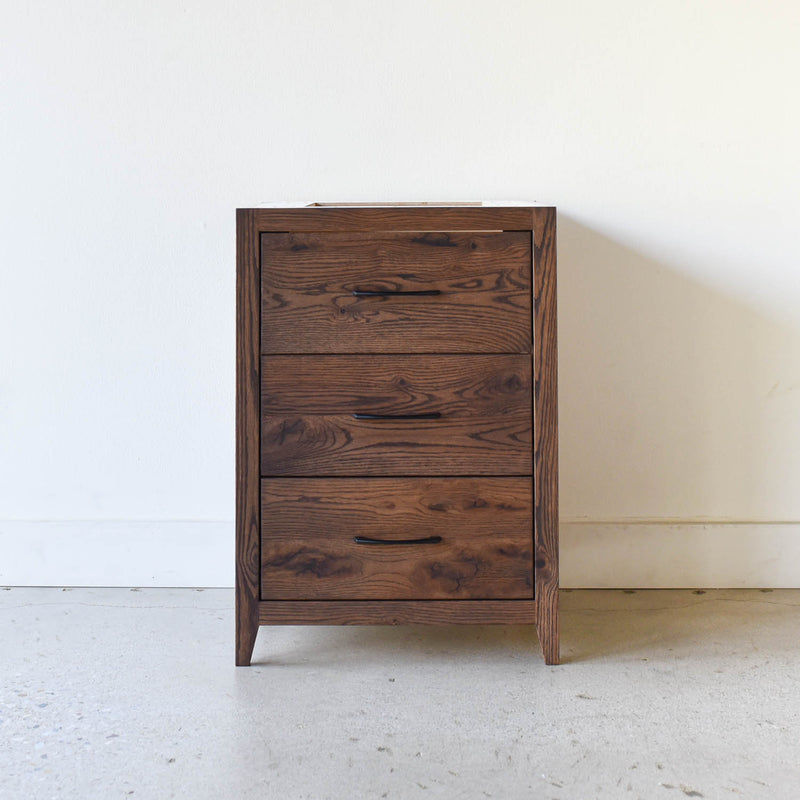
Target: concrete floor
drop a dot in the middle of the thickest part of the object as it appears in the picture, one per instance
(108, 693)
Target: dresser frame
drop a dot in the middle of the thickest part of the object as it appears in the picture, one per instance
(252, 612)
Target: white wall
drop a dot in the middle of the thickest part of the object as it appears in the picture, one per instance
(667, 134)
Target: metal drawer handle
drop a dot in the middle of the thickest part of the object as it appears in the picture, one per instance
(368, 540)
(393, 293)
(432, 415)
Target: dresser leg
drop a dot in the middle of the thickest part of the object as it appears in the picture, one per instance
(547, 627)
(245, 641)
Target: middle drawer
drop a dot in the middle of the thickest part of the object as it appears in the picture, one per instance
(396, 415)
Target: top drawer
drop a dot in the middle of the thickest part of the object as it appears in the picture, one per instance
(408, 292)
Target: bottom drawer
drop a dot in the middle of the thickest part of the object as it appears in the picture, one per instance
(318, 538)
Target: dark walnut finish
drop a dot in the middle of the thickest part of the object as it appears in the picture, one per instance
(309, 546)
(396, 418)
(457, 386)
(438, 415)
(545, 470)
(342, 445)
(248, 519)
(309, 306)
(397, 612)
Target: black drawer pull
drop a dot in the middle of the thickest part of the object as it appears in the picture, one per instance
(394, 293)
(432, 415)
(368, 540)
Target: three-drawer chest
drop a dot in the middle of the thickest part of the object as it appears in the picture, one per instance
(396, 417)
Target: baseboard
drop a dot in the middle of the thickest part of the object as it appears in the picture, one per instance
(655, 554)
(116, 553)
(647, 554)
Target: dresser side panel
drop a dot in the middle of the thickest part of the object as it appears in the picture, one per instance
(248, 389)
(545, 367)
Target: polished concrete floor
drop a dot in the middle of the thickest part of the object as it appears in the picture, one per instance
(108, 693)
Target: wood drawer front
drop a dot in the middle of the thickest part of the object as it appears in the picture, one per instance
(308, 279)
(308, 405)
(308, 527)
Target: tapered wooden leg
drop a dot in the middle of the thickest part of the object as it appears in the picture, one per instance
(246, 593)
(547, 626)
(245, 641)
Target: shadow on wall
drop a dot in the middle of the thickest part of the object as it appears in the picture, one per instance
(679, 426)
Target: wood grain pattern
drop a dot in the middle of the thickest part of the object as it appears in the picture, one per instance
(247, 431)
(341, 445)
(427, 218)
(308, 550)
(486, 310)
(545, 367)
(308, 404)
(308, 281)
(397, 612)
(454, 385)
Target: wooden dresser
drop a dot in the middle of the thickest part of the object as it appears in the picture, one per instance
(396, 431)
